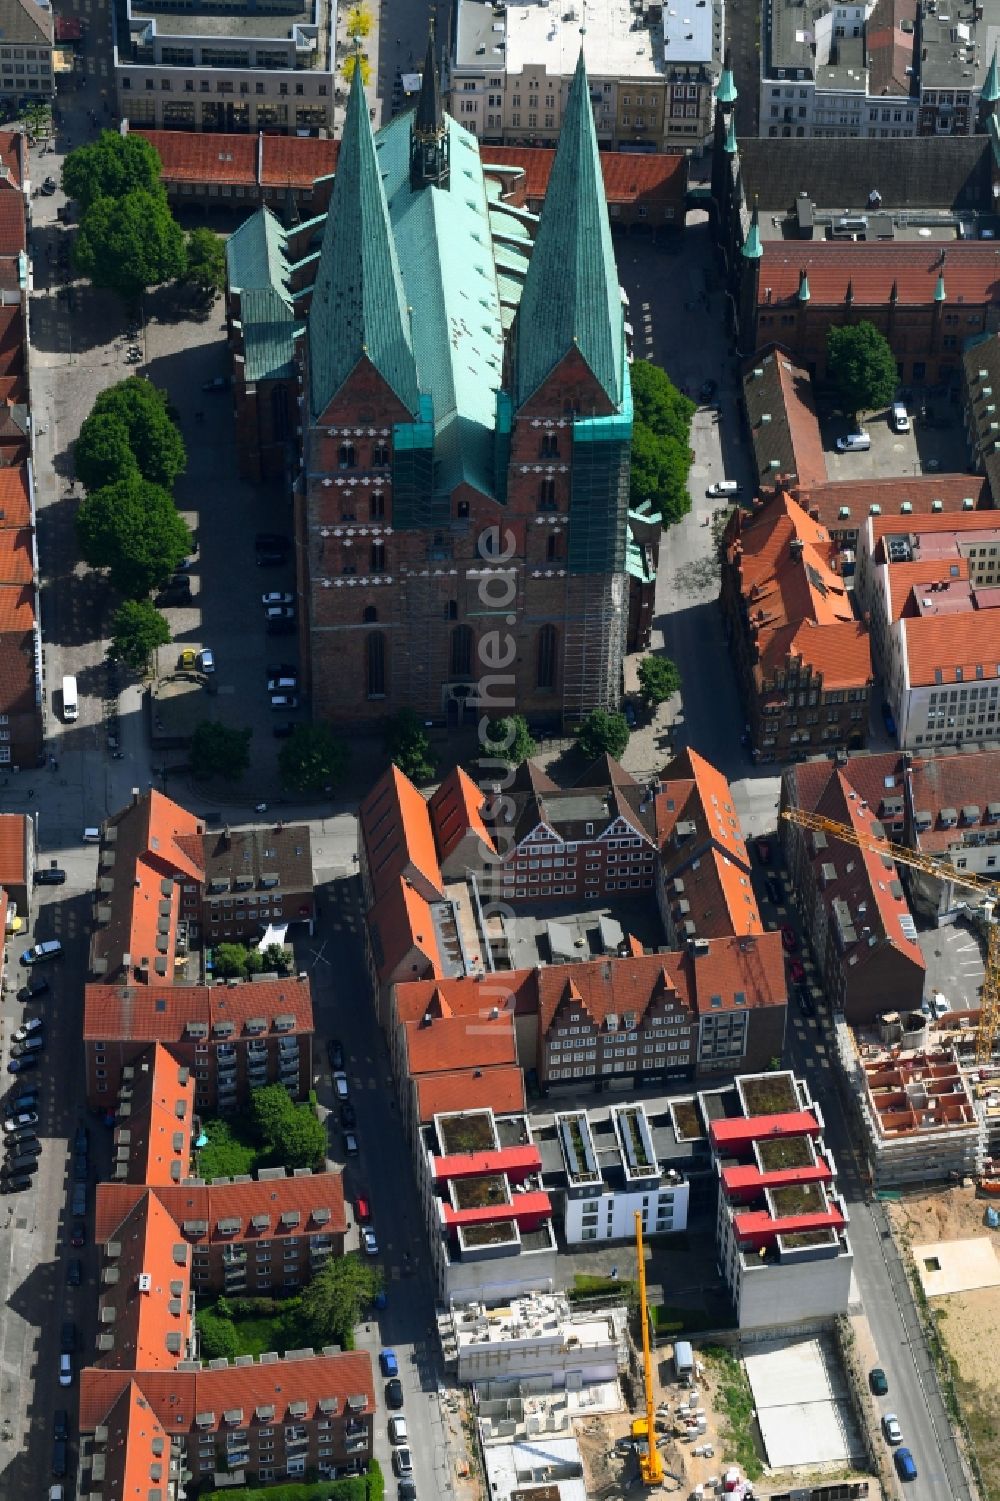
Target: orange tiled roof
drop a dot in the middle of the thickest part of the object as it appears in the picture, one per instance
(143, 1320)
(956, 782)
(136, 1442)
(507, 990)
(653, 180)
(175, 1398)
(713, 862)
(17, 668)
(498, 1089)
(16, 547)
(159, 1127)
(12, 339)
(953, 646)
(188, 1204)
(454, 1042)
(12, 154)
(15, 501)
(296, 161)
(904, 578)
(13, 839)
(160, 1012)
(890, 49)
(13, 236)
(455, 807)
(971, 273)
(398, 838)
(400, 923)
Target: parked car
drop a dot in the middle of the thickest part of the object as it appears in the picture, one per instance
(81, 1171)
(335, 1052)
(340, 1085)
(41, 953)
(707, 390)
(67, 1336)
(65, 1370)
(78, 1235)
(796, 971)
(763, 852)
(50, 875)
(284, 701)
(59, 1455)
(348, 1116)
(858, 442)
(388, 1364)
(363, 1213)
(206, 660)
(406, 1491)
(877, 1381)
(891, 1429)
(270, 558)
(368, 1242)
(60, 1423)
(899, 418)
(49, 186)
(775, 890)
(276, 597)
(279, 612)
(888, 719)
(188, 658)
(402, 1461)
(394, 1393)
(74, 1272)
(397, 1430)
(351, 1144)
(22, 1118)
(25, 1146)
(23, 1064)
(804, 1000)
(789, 938)
(282, 685)
(30, 1045)
(81, 1139)
(32, 989)
(940, 1005)
(26, 1100)
(17, 1184)
(34, 1027)
(906, 1465)
(723, 488)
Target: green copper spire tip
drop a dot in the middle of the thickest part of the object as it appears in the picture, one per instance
(752, 246)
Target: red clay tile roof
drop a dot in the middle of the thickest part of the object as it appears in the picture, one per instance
(13, 235)
(507, 990)
(296, 161)
(455, 807)
(147, 1236)
(498, 1089)
(904, 578)
(15, 500)
(654, 180)
(177, 1397)
(957, 782)
(136, 1441)
(873, 777)
(17, 667)
(188, 1203)
(797, 605)
(953, 646)
(159, 1138)
(890, 49)
(160, 1013)
(12, 154)
(16, 560)
(776, 388)
(188, 157)
(919, 492)
(13, 840)
(395, 826)
(12, 340)
(455, 1042)
(400, 923)
(712, 862)
(971, 273)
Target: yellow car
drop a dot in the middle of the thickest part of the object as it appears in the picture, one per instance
(187, 658)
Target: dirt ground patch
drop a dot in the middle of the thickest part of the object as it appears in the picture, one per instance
(969, 1323)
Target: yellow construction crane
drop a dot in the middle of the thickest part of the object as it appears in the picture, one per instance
(943, 870)
(650, 1459)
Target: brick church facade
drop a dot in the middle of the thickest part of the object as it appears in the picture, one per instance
(459, 367)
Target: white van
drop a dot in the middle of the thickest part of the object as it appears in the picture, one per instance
(91, 836)
(70, 701)
(855, 443)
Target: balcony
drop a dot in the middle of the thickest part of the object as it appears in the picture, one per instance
(234, 1256)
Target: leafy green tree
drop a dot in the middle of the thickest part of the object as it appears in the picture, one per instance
(153, 437)
(137, 630)
(217, 1335)
(661, 441)
(602, 734)
(102, 453)
(219, 750)
(270, 1111)
(861, 364)
(38, 119)
(510, 739)
(332, 1303)
(111, 167)
(135, 531)
(230, 961)
(131, 243)
(302, 1141)
(253, 964)
(206, 261)
(276, 957)
(312, 759)
(408, 745)
(659, 679)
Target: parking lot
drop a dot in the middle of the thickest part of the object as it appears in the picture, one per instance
(924, 449)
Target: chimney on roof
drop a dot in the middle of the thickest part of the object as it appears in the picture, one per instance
(426, 1019)
(135, 796)
(795, 548)
(226, 837)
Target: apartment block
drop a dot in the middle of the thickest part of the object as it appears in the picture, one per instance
(651, 72)
(781, 1229)
(18, 860)
(232, 1037)
(603, 1169)
(489, 1221)
(27, 39)
(249, 70)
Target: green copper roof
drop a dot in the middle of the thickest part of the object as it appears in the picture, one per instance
(991, 83)
(269, 333)
(571, 294)
(940, 295)
(752, 247)
(726, 93)
(729, 145)
(358, 307)
(804, 292)
(446, 260)
(256, 255)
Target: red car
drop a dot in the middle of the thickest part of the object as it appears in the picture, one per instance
(789, 939)
(362, 1210)
(797, 971)
(763, 852)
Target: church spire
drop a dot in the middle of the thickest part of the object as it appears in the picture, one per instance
(571, 295)
(429, 153)
(991, 84)
(358, 308)
(726, 94)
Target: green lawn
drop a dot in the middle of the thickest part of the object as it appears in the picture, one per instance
(368, 1487)
(269, 1326)
(231, 1150)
